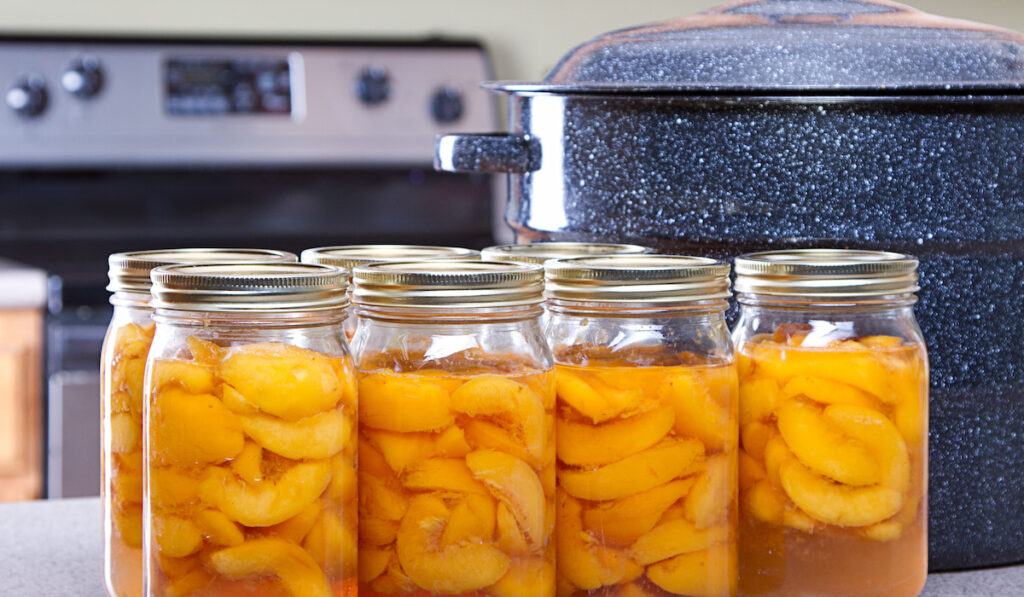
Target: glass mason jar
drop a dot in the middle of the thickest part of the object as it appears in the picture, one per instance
(351, 256)
(122, 365)
(646, 426)
(833, 424)
(456, 430)
(250, 433)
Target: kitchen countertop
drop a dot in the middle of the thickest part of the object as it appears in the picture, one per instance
(52, 548)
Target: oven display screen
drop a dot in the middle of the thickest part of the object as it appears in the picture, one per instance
(211, 86)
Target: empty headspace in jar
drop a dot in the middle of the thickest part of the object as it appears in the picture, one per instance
(636, 280)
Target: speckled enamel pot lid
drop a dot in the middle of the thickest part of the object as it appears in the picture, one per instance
(826, 273)
(257, 288)
(352, 256)
(543, 251)
(448, 285)
(129, 272)
(656, 279)
(830, 47)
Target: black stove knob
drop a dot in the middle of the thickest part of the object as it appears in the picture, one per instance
(446, 105)
(83, 77)
(373, 85)
(28, 96)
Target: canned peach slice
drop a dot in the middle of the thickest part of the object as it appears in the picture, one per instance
(283, 380)
(125, 434)
(218, 529)
(515, 485)
(833, 503)
(526, 576)
(674, 537)
(193, 378)
(296, 571)
(765, 502)
(373, 561)
(715, 486)
(442, 474)
(176, 537)
(448, 570)
(583, 561)
(824, 448)
(586, 444)
(402, 450)
(317, 436)
(515, 406)
(750, 471)
(851, 364)
(699, 414)
(332, 545)
(667, 460)
(594, 399)
(380, 498)
(169, 488)
(483, 435)
(377, 532)
(249, 463)
(624, 520)
(128, 524)
(204, 351)
(403, 403)
(236, 402)
(758, 400)
(708, 573)
(193, 429)
(826, 391)
(754, 437)
(473, 518)
(297, 527)
(511, 538)
(271, 501)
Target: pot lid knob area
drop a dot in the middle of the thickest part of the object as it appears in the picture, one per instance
(796, 45)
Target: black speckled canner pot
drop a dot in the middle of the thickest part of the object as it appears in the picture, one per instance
(940, 179)
(935, 172)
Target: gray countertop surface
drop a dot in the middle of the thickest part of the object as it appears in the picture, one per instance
(52, 549)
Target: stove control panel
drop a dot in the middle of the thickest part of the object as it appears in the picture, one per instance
(82, 102)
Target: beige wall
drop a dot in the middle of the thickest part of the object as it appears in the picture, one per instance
(525, 36)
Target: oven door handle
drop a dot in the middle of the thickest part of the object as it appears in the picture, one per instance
(487, 152)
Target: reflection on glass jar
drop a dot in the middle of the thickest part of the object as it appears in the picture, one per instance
(646, 427)
(456, 447)
(834, 425)
(250, 433)
(122, 366)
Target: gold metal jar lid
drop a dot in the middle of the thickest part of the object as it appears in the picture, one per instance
(826, 273)
(352, 256)
(265, 287)
(129, 272)
(543, 251)
(637, 279)
(448, 284)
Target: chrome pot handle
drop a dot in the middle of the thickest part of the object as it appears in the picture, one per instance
(486, 152)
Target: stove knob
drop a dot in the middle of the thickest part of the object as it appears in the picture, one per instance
(83, 77)
(446, 105)
(27, 97)
(373, 85)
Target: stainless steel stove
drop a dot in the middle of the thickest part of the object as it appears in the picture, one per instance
(121, 144)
